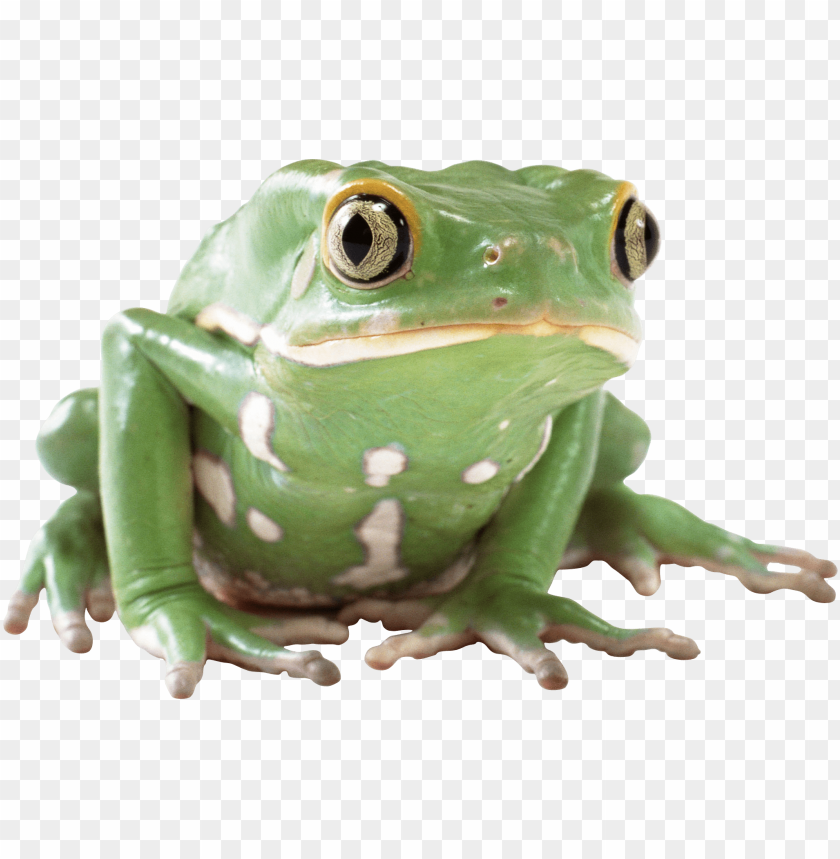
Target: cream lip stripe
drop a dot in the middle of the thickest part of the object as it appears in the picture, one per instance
(347, 350)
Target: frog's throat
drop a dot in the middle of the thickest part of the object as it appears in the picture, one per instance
(350, 349)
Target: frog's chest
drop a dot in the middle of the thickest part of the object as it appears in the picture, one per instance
(345, 503)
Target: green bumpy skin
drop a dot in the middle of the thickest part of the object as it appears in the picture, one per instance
(377, 394)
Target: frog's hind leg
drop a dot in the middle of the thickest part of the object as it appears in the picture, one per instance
(68, 555)
(635, 534)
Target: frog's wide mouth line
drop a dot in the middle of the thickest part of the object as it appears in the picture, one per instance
(347, 350)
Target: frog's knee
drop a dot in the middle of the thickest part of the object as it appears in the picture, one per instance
(68, 443)
(625, 439)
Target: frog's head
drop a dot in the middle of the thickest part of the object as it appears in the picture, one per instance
(336, 266)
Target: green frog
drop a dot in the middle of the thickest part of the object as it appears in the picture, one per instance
(376, 394)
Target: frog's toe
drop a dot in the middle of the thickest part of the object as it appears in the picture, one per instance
(307, 664)
(182, 647)
(392, 614)
(624, 642)
(182, 678)
(67, 598)
(419, 645)
(26, 597)
(73, 631)
(232, 642)
(809, 580)
(537, 660)
(630, 554)
(642, 571)
(100, 602)
(747, 562)
(565, 619)
(18, 611)
(306, 629)
(626, 551)
(318, 669)
(795, 558)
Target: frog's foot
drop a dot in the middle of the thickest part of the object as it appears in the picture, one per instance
(516, 620)
(636, 534)
(810, 578)
(69, 559)
(186, 627)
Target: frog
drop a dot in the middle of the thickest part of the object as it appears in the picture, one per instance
(377, 394)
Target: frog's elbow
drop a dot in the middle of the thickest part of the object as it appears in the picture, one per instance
(125, 326)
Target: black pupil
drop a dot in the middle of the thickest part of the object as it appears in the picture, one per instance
(357, 239)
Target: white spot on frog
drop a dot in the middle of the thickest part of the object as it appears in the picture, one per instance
(256, 425)
(446, 581)
(241, 589)
(380, 464)
(258, 581)
(382, 322)
(546, 438)
(213, 481)
(504, 425)
(380, 534)
(480, 472)
(221, 317)
(563, 249)
(273, 340)
(305, 267)
(266, 529)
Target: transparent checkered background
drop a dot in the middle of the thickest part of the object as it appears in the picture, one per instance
(127, 130)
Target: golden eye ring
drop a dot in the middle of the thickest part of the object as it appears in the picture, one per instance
(369, 235)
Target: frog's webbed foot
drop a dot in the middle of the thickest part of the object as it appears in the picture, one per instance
(186, 626)
(185, 668)
(514, 619)
(68, 558)
(636, 534)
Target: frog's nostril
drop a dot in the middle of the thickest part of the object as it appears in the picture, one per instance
(499, 302)
(492, 255)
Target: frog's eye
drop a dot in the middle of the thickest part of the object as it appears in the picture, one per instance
(368, 241)
(636, 239)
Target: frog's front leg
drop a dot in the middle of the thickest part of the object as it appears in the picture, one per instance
(153, 365)
(504, 602)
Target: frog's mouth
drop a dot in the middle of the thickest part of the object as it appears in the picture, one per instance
(348, 350)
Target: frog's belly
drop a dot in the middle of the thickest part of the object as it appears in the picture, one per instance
(332, 530)
(318, 559)
(242, 589)
(309, 547)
